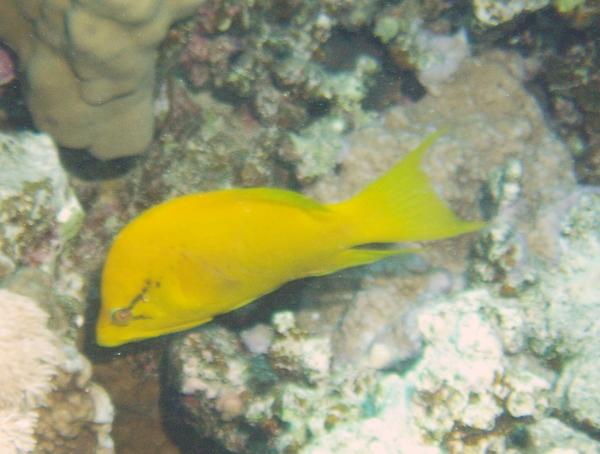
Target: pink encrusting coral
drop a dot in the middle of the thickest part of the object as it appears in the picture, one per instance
(7, 66)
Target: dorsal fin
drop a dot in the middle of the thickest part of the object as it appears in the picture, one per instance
(280, 196)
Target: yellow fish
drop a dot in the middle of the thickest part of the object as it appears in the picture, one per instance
(181, 263)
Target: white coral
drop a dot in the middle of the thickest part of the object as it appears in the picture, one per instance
(16, 431)
(29, 361)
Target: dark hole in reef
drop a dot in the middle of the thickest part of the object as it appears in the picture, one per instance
(229, 96)
(177, 430)
(227, 93)
(543, 31)
(566, 55)
(390, 86)
(281, 11)
(318, 108)
(411, 87)
(519, 437)
(278, 48)
(12, 100)
(341, 51)
(12, 103)
(236, 58)
(84, 165)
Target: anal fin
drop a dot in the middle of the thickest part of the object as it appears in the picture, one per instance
(355, 257)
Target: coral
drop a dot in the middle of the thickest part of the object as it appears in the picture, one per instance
(553, 436)
(292, 398)
(401, 356)
(79, 414)
(89, 67)
(38, 210)
(578, 391)
(476, 368)
(460, 386)
(211, 374)
(569, 291)
(29, 362)
(570, 78)
(48, 401)
(458, 381)
(7, 66)
(566, 6)
(434, 56)
(228, 150)
(285, 385)
(316, 148)
(257, 339)
(290, 354)
(565, 76)
(373, 312)
(257, 402)
(47, 398)
(47, 392)
(384, 338)
(563, 312)
(292, 66)
(494, 13)
(475, 106)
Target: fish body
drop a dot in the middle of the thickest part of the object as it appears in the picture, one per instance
(184, 261)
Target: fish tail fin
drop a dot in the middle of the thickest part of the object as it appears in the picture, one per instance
(402, 206)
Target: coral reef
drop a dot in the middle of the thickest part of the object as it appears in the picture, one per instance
(48, 403)
(570, 79)
(78, 414)
(273, 401)
(90, 67)
(566, 330)
(493, 13)
(38, 209)
(409, 355)
(563, 43)
(229, 150)
(476, 376)
(412, 45)
(494, 372)
(307, 71)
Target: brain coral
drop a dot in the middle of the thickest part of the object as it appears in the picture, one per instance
(89, 67)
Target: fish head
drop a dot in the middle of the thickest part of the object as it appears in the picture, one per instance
(131, 313)
(127, 312)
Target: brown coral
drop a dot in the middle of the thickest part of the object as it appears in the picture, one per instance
(89, 67)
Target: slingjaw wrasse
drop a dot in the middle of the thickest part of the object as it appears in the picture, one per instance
(182, 262)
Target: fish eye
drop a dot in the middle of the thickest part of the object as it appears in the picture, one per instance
(121, 317)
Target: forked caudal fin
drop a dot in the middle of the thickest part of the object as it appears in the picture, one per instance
(402, 205)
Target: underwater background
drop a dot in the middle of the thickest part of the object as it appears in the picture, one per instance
(484, 343)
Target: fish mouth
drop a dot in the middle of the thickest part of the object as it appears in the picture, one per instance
(110, 335)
